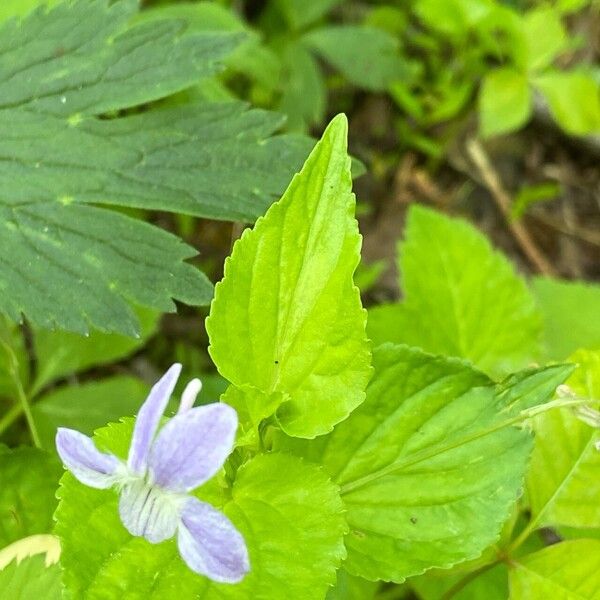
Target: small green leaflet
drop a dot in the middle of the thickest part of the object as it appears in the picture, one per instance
(287, 317)
(566, 571)
(27, 494)
(462, 298)
(367, 56)
(563, 484)
(30, 579)
(428, 466)
(67, 262)
(505, 101)
(293, 527)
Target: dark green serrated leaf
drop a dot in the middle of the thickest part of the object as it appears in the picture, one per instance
(65, 263)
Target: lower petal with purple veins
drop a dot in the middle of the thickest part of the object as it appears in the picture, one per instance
(210, 544)
(149, 511)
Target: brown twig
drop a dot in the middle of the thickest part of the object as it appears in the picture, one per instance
(503, 200)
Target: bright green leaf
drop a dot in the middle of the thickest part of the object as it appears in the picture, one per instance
(287, 317)
(565, 571)
(545, 37)
(462, 298)
(366, 56)
(88, 406)
(29, 479)
(504, 102)
(429, 466)
(293, 527)
(574, 100)
(61, 353)
(68, 262)
(30, 579)
(570, 311)
(563, 484)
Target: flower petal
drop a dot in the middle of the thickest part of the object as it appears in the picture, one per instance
(192, 447)
(85, 461)
(149, 511)
(148, 419)
(210, 544)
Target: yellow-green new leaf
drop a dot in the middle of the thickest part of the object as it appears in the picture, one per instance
(287, 316)
(564, 480)
(565, 571)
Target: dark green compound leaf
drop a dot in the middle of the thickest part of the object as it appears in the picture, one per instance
(289, 512)
(30, 579)
(28, 481)
(429, 465)
(67, 263)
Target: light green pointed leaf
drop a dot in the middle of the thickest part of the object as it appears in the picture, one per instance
(366, 56)
(574, 100)
(545, 37)
(428, 465)
(563, 484)
(30, 579)
(565, 571)
(504, 101)
(88, 406)
(68, 262)
(29, 478)
(60, 353)
(570, 312)
(287, 317)
(293, 527)
(462, 298)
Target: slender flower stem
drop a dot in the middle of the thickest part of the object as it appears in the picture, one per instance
(462, 583)
(13, 371)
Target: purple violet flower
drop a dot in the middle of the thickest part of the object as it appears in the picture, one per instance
(162, 468)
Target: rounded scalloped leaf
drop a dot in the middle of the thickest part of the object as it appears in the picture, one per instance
(289, 512)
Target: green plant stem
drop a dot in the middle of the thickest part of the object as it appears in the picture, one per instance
(10, 417)
(464, 582)
(527, 531)
(25, 407)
